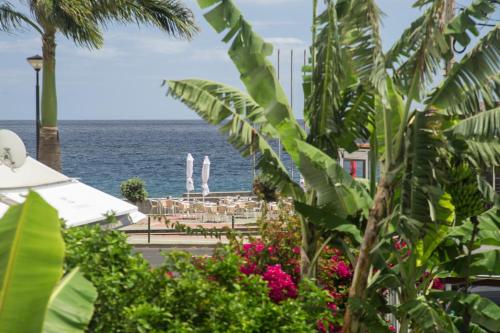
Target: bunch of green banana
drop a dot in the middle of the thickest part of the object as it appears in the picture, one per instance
(463, 188)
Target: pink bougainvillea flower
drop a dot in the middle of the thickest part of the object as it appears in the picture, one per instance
(336, 295)
(331, 328)
(248, 268)
(296, 250)
(321, 326)
(280, 284)
(332, 306)
(343, 270)
(392, 328)
(247, 247)
(400, 244)
(437, 284)
(259, 247)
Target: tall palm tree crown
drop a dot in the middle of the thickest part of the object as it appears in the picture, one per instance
(82, 21)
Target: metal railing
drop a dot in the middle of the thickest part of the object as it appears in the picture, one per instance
(197, 230)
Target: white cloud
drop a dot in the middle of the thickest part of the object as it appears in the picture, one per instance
(266, 2)
(160, 45)
(122, 45)
(256, 2)
(210, 55)
(28, 46)
(103, 53)
(269, 24)
(286, 42)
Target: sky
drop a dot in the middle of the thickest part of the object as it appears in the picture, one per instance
(123, 79)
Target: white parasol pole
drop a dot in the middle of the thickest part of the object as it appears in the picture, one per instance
(189, 176)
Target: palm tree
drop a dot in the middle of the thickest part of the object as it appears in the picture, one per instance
(81, 21)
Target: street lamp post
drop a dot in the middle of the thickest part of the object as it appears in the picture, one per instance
(37, 62)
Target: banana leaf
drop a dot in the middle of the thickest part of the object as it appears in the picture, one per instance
(249, 53)
(71, 305)
(481, 263)
(334, 187)
(31, 259)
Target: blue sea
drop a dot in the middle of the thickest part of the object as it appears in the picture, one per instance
(105, 153)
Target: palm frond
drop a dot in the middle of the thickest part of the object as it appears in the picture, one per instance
(74, 19)
(81, 20)
(10, 19)
(239, 117)
(475, 72)
(172, 16)
(249, 53)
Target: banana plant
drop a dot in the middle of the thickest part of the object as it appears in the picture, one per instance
(418, 200)
(353, 90)
(262, 113)
(31, 264)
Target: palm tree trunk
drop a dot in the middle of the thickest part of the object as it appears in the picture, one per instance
(49, 152)
(360, 278)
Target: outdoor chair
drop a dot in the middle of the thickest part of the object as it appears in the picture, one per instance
(156, 207)
(168, 206)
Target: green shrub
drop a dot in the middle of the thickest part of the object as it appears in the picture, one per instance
(122, 279)
(184, 294)
(134, 190)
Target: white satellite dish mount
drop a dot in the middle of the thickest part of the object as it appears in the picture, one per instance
(12, 149)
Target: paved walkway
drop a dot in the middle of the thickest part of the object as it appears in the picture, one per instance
(174, 240)
(155, 257)
(137, 234)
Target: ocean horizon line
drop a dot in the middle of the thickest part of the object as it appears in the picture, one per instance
(142, 119)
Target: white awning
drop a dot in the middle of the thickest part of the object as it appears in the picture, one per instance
(3, 208)
(77, 203)
(31, 174)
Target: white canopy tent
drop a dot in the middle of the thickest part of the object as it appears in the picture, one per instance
(77, 203)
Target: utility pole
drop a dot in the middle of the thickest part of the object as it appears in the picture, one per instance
(291, 95)
(279, 140)
(448, 16)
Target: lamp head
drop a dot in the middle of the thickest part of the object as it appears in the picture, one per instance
(36, 62)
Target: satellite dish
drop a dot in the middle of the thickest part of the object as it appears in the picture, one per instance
(12, 149)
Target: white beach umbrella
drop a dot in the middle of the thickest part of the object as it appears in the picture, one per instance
(189, 174)
(205, 173)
